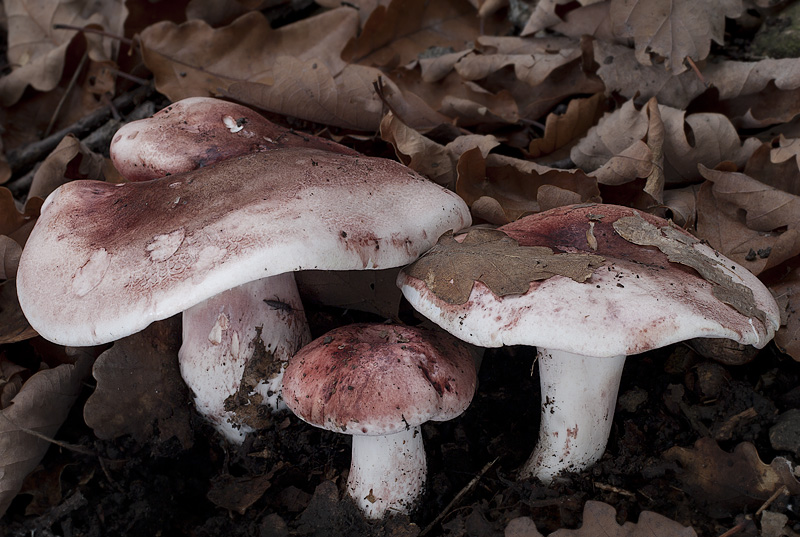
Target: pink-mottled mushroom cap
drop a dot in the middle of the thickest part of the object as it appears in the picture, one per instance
(197, 132)
(635, 301)
(105, 260)
(369, 379)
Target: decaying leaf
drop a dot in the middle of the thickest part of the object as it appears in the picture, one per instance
(41, 406)
(601, 519)
(490, 256)
(70, 160)
(139, 388)
(679, 248)
(727, 483)
(787, 294)
(239, 493)
(562, 130)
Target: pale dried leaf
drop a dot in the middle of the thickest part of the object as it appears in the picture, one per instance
(70, 160)
(36, 50)
(40, 406)
(599, 518)
(682, 204)
(418, 152)
(757, 251)
(290, 70)
(562, 130)
(451, 268)
(544, 14)
(672, 31)
(789, 148)
(10, 252)
(679, 248)
(13, 324)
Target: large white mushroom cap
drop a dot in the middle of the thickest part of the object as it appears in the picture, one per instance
(105, 260)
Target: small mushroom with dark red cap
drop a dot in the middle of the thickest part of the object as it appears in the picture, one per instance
(380, 383)
(647, 284)
(106, 260)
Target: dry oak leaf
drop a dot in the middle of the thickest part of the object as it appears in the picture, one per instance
(702, 138)
(562, 130)
(70, 160)
(673, 30)
(787, 293)
(140, 391)
(727, 483)
(599, 518)
(36, 50)
(514, 185)
(767, 208)
(544, 15)
(397, 34)
(40, 407)
(623, 74)
(290, 71)
(788, 148)
(451, 268)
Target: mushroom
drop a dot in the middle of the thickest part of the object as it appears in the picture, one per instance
(654, 285)
(197, 132)
(105, 260)
(222, 334)
(380, 383)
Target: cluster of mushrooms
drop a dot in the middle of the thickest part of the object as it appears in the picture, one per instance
(222, 207)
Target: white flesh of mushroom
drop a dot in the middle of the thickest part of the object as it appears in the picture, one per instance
(401, 456)
(579, 394)
(224, 335)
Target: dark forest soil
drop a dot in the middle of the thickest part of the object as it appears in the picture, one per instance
(288, 479)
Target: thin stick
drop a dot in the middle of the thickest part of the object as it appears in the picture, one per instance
(119, 38)
(65, 96)
(37, 434)
(775, 495)
(697, 71)
(469, 486)
(734, 530)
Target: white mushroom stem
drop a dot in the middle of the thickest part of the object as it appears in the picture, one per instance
(387, 473)
(579, 394)
(253, 328)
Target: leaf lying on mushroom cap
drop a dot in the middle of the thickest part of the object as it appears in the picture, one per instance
(679, 248)
(450, 268)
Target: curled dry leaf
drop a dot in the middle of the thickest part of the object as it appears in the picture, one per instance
(418, 152)
(140, 391)
(40, 407)
(599, 518)
(515, 185)
(561, 130)
(289, 70)
(727, 483)
(36, 50)
(451, 268)
(706, 139)
(758, 251)
(70, 160)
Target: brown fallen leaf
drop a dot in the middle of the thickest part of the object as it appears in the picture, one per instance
(684, 30)
(727, 483)
(599, 518)
(40, 407)
(758, 251)
(70, 160)
(139, 390)
(787, 293)
(37, 50)
(398, 33)
(290, 70)
(239, 493)
(451, 268)
(515, 183)
(561, 131)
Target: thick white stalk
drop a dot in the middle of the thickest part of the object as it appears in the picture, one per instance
(387, 473)
(235, 347)
(579, 394)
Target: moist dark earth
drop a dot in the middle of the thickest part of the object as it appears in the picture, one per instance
(288, 478)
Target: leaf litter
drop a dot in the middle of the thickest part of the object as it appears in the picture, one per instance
(571, 102)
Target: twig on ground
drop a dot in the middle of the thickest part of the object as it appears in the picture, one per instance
(463, 492)
(65, 96)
